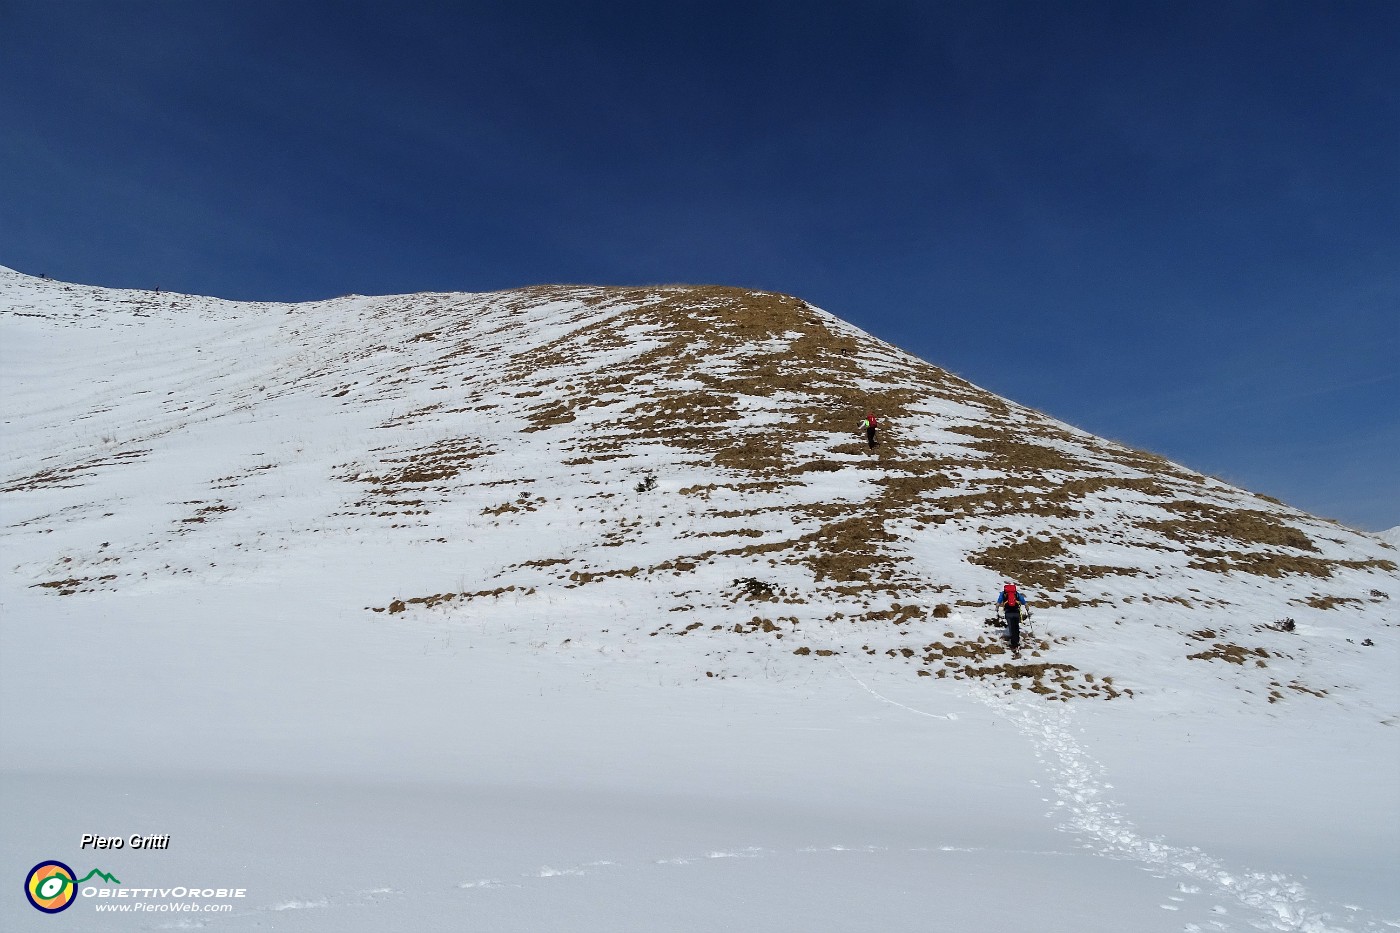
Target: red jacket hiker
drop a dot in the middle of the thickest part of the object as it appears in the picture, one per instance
(869, 424)
(1012, 602)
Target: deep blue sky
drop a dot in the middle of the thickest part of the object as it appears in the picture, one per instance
(1173, 224)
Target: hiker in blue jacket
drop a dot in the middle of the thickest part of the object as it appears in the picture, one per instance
(1012, 604)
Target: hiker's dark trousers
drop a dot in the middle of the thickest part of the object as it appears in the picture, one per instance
(1013, 626)
(870, 436)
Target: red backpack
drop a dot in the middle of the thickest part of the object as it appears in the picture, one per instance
(1009, 591)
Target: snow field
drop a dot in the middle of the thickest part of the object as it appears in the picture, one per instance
(206, 503)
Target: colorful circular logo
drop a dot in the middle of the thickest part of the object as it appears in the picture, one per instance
(50, 887)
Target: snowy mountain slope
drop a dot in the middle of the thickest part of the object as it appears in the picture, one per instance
(477, 445)
(591, 607)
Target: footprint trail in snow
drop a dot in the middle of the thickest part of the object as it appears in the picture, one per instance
(1270, 901)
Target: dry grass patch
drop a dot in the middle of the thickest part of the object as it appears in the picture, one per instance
(1032, 562)
(897, 614)
(1039, 563)
(202, 514)
(549, 415)
(1012, 454)
(427, 602)
(70, 477)
(1276, 565)
(1201, 520)
(1232, 654)
(1328, 602)
(74, 584)
(1145, 461)
(435, 463)
(988, 658)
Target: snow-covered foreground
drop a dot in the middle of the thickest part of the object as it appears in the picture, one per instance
(421, 775)
(430, 775)
(222, 525)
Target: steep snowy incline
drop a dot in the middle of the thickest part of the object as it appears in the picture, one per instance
(578, 608)
(689, 452)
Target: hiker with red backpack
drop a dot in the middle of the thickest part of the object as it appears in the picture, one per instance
(1013, 604)
(869, 425)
